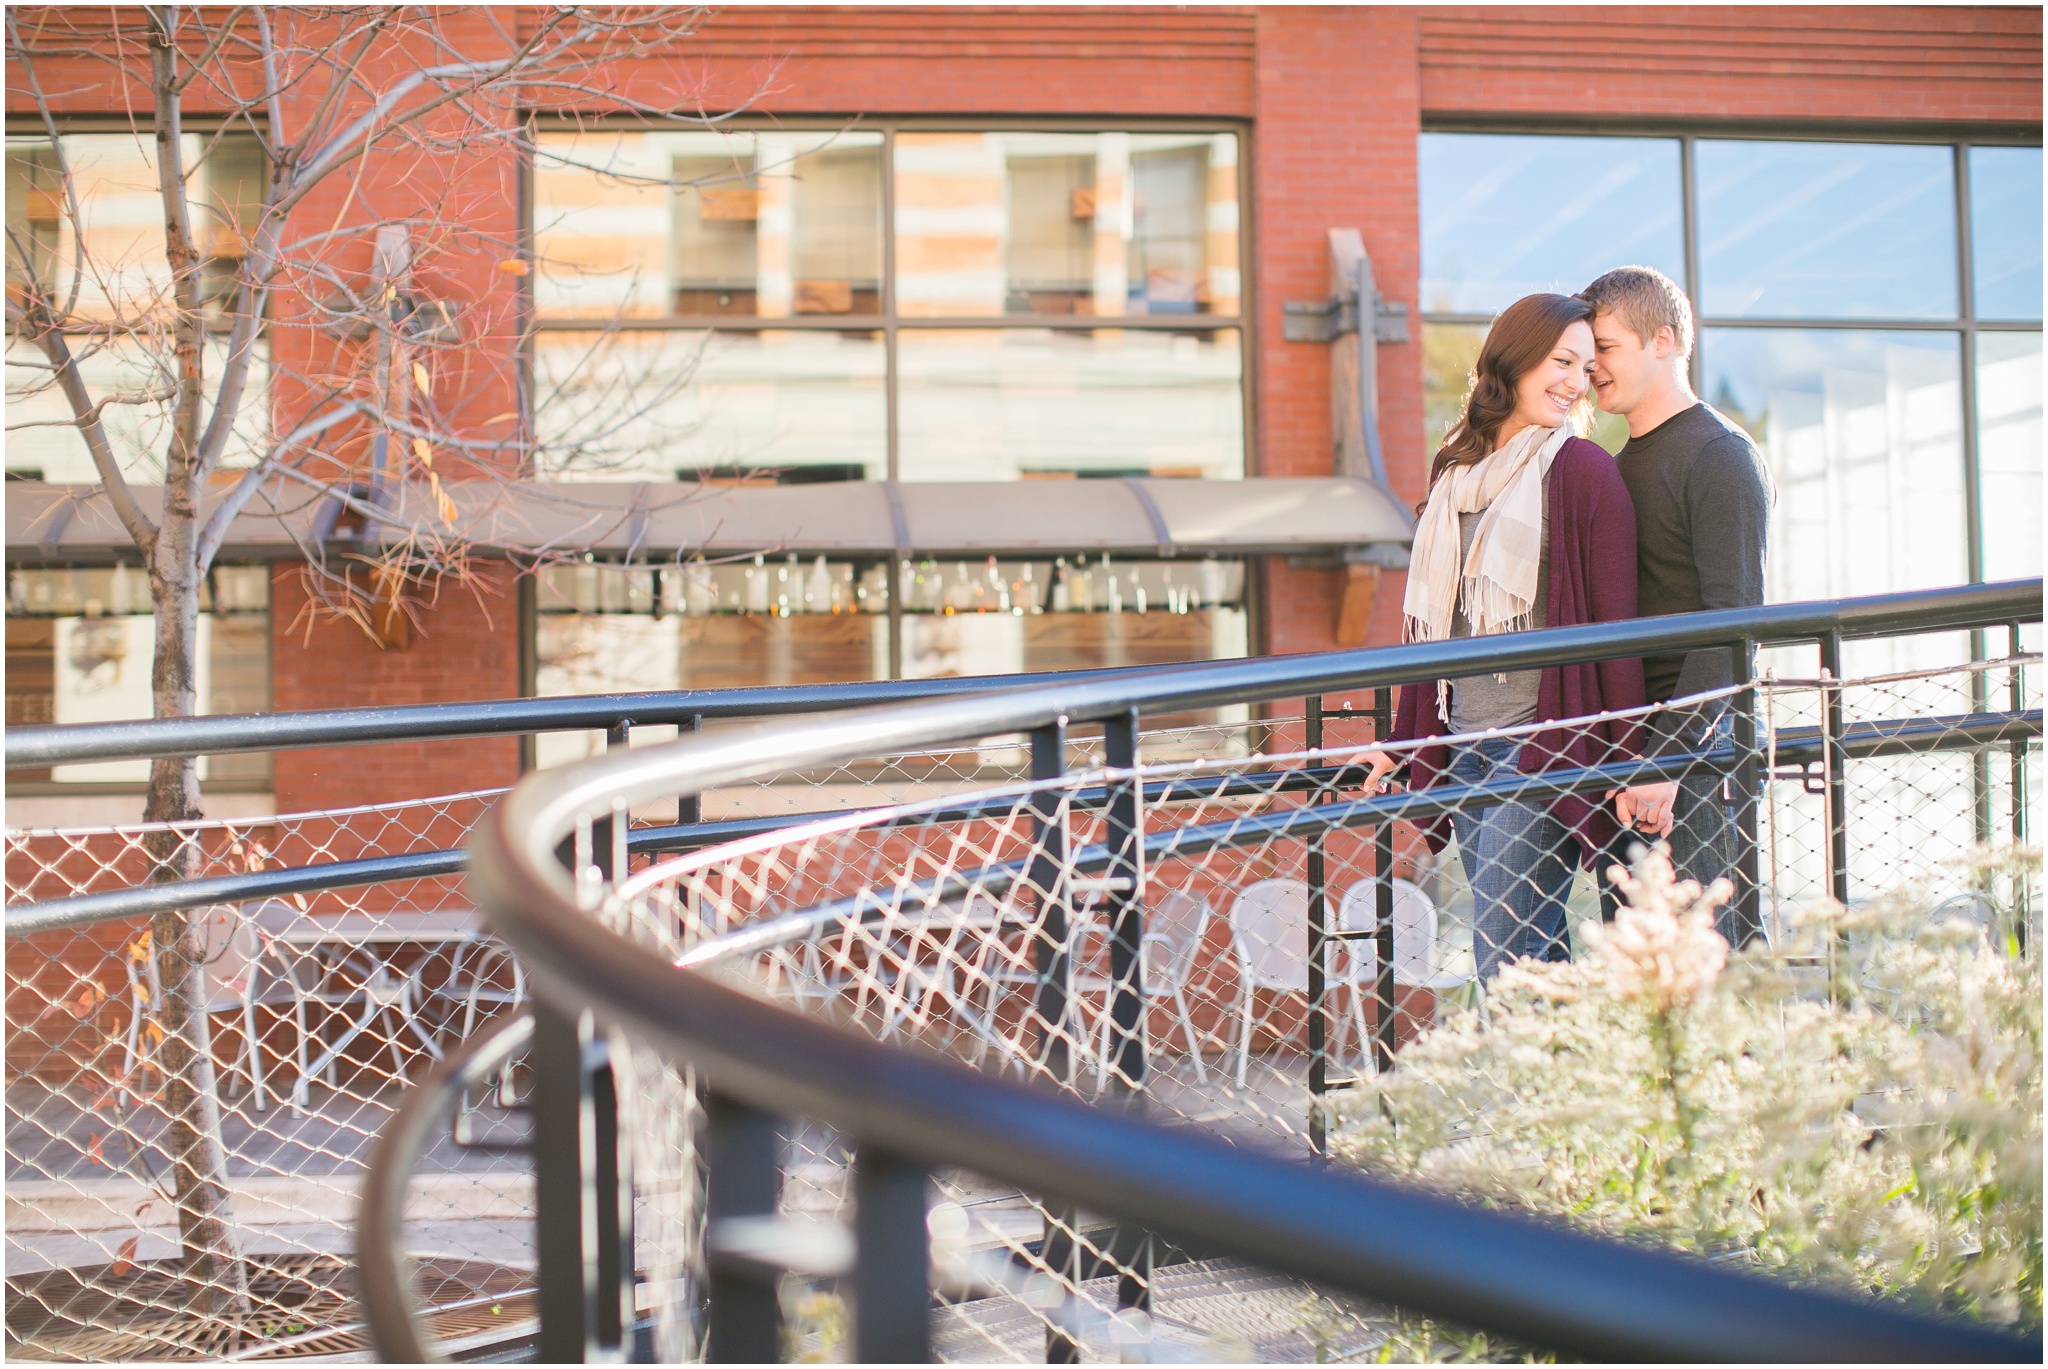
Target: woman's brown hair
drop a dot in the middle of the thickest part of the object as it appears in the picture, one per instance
(1519, 340)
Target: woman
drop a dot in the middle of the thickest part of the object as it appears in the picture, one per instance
(1526, 525)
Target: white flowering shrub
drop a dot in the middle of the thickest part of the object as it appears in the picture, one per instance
(1860, 1105)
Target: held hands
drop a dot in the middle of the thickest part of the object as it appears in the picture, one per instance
(1646, 808)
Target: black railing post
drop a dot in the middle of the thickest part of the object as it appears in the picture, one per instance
(743, 1178)
(1980, 760)
(609, 1224)
(583, 1226)
(690, 1303)
(1053, 953)
(1132, 1247)
(1318, 949)
(1836, 766)
(1048, 879)
(1748, 888)
(565, 1273)
(892, 1279)
(612, 1310)
(2017, 700)
(1125, 906)
(1383, 903)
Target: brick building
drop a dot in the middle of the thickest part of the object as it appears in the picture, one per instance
(872, 309)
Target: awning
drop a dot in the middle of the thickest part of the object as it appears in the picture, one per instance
(1131, 516)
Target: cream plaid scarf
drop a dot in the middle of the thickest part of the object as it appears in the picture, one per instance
(1495, 582)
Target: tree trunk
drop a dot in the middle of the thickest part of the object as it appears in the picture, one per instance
(216, 1279)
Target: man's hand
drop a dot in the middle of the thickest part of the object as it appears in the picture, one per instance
(1647, 808)
(1380, 766)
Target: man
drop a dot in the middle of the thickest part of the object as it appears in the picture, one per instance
(1703, 502)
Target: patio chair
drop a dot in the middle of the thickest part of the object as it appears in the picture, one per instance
(1269, 934)
(1175, 927)
(244, 970)
(476, 980)
(1415, 934)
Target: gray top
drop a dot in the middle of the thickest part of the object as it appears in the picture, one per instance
(1480, 702)
(1703, 507)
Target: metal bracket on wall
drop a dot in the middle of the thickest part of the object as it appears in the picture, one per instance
(1327, 320)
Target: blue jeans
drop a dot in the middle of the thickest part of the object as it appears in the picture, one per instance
(1519, 860)
(1702, 837)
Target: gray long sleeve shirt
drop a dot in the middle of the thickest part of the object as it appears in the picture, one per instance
(1703, 508)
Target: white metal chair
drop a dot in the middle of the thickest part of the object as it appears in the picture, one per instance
(1269, 934)
(1175, 926)
(476, 976)
(244, 970)
(1415, 933)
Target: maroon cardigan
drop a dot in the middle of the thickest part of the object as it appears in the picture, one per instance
(1592, 580)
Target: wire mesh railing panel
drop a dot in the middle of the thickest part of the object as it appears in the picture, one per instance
(1152, 938)
(1226, 935)
(230, 1065)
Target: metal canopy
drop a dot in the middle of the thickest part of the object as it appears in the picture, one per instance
(1131, 516)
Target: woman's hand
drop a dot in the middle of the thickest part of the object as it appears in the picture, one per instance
(1379, 766)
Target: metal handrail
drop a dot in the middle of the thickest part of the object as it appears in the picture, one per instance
(1795, 746)
(390, 1296)
(1967, 606)
(1495, 1270)
(219, 734)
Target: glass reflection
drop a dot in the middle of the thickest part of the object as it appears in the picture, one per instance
(1506, 215)
(2009, 452)
(48, 446)
(1101, 224)
(1019, 403)
(120, 205)
(1862, 432)
(1826, 230)
(2005, 231)
(663, 405)
(758, 224)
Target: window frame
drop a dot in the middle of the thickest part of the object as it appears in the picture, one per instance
(214, 321)
(890, 322)
(1966, 326)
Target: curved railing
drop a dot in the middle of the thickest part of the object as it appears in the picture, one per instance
(909, 1112)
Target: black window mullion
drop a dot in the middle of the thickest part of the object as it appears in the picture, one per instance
(1689, 229)
(1973, 513)
(889, 323)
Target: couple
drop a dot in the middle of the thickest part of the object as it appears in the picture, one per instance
(1528, 525)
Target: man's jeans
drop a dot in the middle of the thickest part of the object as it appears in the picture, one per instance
(1702, 836)
(1519, 860)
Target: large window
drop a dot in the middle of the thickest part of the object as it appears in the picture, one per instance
(1869, 312)
(888, 302)
(79, 647)
(119, 333)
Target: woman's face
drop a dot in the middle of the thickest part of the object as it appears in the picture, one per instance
(1545, 395)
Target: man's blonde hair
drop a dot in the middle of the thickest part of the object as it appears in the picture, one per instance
(1645, 299)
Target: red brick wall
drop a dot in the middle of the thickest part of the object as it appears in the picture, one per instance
(467, 649)
(1007, 60)
(1752, 62)
(1334, 147)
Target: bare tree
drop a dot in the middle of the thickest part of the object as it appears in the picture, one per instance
(350, 101)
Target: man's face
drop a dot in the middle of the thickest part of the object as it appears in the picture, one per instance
(1625, 367)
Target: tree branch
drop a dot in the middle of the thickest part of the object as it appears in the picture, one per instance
(64, 176)
(212, 49)
(140, 529)
(217, 523)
